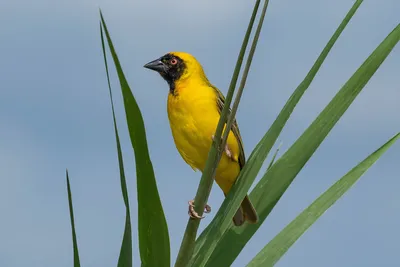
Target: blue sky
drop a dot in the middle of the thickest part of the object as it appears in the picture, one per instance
(55, 114)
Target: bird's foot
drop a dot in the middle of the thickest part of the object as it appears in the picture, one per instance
(193, 214)
(227, 151)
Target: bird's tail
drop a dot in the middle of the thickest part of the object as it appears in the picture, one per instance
(246, 212)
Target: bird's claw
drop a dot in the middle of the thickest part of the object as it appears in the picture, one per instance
(193, 214)
(227, 151)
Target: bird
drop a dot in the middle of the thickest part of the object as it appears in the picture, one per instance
(194, 107)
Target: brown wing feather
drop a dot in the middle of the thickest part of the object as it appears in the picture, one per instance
(235, 127)
(246, 212)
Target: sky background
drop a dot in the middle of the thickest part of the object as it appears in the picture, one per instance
(55, 114)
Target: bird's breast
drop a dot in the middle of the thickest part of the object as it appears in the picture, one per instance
(193, 117)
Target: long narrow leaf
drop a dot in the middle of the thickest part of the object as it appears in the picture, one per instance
(278, 178)
(206, 181)
(199, 259)
(274, 156)
(278, 246)
(153, 231)
(71, 215)
(125, 255)
(229, 246)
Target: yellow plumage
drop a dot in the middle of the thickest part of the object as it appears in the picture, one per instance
(194, 107)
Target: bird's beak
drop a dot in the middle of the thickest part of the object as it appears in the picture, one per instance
(156, 65)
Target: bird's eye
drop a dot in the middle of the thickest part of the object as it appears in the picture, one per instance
(173, 61)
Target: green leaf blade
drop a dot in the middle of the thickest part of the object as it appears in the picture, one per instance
(289, 165)
(201, 257)
(153, 230)
(125, 257)
(232, 242)
(206, 181)
(71, 215)
(278, 178)
(279, 245)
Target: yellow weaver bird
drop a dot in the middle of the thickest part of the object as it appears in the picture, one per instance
(194, 108)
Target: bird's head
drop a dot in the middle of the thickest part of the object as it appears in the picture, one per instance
(177, 66)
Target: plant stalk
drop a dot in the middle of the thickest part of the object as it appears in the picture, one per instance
(196, 260)
(214, 155)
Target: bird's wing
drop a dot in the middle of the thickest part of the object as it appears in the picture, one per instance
(235, 127)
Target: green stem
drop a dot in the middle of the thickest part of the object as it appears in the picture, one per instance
(245, 73)
(207, 178)
(238, 96)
